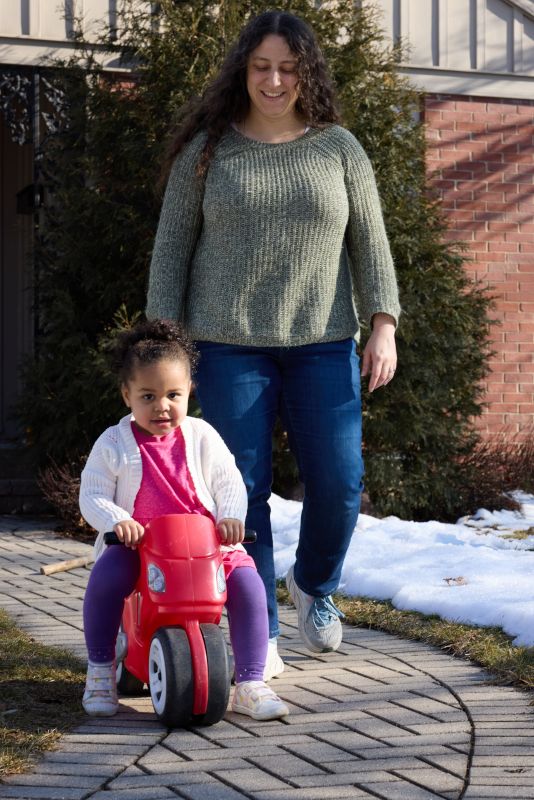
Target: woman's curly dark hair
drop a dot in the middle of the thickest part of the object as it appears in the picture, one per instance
(148, 342)
(226, 99)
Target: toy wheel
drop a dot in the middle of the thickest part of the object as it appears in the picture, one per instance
(170, 677)
(128, 683)
(218, 675)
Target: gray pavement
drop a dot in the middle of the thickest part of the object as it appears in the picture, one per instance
(381, 718)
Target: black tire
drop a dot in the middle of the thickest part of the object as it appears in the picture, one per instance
(170, 677)
(218, 675)
(128, 683)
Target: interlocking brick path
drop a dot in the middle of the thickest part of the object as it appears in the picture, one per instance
(381, 718)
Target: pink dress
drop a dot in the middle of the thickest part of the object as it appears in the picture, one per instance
(167, 487)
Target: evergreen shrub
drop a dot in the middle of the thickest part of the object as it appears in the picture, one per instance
(100, 170)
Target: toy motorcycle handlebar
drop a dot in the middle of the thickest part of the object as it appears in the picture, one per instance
(110, 537)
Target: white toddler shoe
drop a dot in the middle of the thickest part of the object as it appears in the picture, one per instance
(100, 696)
(257, 700)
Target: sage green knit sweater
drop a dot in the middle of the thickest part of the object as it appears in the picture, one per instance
(279, 245)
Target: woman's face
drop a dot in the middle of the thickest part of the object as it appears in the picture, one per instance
(272, 78)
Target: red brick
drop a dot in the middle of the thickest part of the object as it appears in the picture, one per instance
(502, 226)
(518, 236)
(504, 247)
(465, 105)
(448, 153)
(517, 418)
(493, 194)
(517, 337)
(503, 108)
(462, 216)
(488, 119)
(488, 258)
(446, 127)
(478, 167)
(458, 116)
(456, 174)
(490, 157)
(465, 200)
(433, 116)
(512, 316)
(501, 208)
(472, 146)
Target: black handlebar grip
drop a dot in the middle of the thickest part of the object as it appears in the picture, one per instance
(110, 537)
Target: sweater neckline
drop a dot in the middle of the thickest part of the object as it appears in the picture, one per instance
(236, 136)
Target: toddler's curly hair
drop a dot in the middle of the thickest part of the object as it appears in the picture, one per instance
(148, 342)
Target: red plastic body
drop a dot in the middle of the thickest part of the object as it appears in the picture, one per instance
(186, 548)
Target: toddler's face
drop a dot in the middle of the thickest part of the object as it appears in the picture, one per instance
(158, 395)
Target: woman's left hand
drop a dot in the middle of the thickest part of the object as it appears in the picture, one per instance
(380, 353)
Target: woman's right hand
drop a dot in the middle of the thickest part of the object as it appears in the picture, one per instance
(129, 532)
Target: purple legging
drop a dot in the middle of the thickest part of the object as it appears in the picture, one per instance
(113, 578)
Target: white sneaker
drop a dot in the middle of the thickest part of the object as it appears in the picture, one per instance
(273, 663)
(100, 696)
(256, 700)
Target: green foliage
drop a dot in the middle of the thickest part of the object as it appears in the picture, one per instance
(100, 170)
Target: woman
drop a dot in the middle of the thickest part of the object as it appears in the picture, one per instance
(270, 236)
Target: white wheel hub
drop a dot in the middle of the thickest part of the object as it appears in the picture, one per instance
(157, 676)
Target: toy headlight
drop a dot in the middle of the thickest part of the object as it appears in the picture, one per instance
(156, 578)
(221, 581)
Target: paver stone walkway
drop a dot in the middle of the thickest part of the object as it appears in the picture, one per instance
(380, 718)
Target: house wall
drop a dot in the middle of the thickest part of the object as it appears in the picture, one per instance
(481, 161)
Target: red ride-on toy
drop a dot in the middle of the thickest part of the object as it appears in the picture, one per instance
(170, 637)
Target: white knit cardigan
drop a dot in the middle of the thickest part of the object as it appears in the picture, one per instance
(112, 476)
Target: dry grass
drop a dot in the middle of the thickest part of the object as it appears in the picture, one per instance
(40, 690)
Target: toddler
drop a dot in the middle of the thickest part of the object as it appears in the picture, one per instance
(157, 461)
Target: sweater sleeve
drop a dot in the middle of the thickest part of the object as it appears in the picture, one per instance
(98, 486)
(373, 273)
(222, 476)
(178, 230)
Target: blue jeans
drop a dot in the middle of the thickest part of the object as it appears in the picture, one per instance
(315, 390)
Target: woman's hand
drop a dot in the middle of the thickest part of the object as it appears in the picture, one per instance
(231, 531)
(380, 353)
(129, 532)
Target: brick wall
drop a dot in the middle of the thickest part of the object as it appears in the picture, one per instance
(481, 161)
